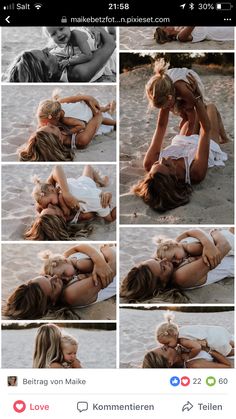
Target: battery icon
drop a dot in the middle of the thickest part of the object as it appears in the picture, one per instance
(224, 6)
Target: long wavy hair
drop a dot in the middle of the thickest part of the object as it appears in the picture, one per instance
(163, 192)
(141, 284)
(154, 360)
(53, 227)
(47, 347)
(28, 69)
(161, 37)
(27, 301)
(43, 146)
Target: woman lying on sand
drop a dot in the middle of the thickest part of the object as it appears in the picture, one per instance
(60, 201)
(42, 66)
(167, 278)
(165, 34)
(65, 124)
(54, 348)
(172, 170)
(74, 279)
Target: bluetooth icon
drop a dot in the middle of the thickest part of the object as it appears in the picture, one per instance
(191, 6)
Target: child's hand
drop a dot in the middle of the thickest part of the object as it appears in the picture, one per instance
(105, 199)
(193, 85)
(64, 64)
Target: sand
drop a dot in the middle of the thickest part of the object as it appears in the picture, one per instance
(19, 119)
(138, 244)
(212, 199)
(97, 348)
(142, 38)
(137, 330)
(15, 40)
(18, 206)
(26, 265)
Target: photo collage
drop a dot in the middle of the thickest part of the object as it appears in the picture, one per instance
(117, 188)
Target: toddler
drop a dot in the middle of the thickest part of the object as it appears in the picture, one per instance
(194, 338)
(69, 348)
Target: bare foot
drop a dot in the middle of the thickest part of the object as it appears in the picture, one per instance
(112, 107)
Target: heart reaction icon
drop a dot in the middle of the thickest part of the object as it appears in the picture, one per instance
(19, 406)
(185, 381)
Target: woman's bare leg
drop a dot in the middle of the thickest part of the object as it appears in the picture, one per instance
(212, 113)
(85, 137)
(223, 136)
(89, 171)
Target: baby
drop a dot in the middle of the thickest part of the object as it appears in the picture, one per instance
(176, 251)
(194, 338)
(69, 348)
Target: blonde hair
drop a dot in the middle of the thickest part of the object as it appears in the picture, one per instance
(69, 340)
(53, 227)
(47, 347)
(41, 189)
(168, 328)
(51, 261)
(160, 86)
(162, 192)
(164, 246)
(154, 360)
(44, 146)
(48, 109)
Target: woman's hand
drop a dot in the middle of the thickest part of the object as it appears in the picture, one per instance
(71, 201)
(211, 255)
(104, 272)
(105, 199)
(193, 85)
(93, 104)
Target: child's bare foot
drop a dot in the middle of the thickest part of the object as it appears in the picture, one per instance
(112, 107)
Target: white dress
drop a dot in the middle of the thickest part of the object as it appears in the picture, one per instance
(226, 267)
(213, 33)
(85, 189)
(82, 111)
(186, 146)
(217, 337)
(103, 294)
(177, 74)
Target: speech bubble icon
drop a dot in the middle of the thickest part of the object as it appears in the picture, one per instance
(82, 406)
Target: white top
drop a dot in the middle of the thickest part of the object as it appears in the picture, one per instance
(217, 337)
(226, 267)
(213, 33)
(82, 111)
(85, 189)
(186, 146)
(105, 293)
(177, 74)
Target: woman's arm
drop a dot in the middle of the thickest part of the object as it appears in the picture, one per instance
(154, 149)
(199, 166)
(58, 176)
(185, 35)
(210, 254)
(220, 361)
(101, 267)
(195, 273)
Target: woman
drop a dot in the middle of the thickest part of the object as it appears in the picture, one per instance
(166, 357)
(158, 278)
(44, 293)
(41, 66)
(193, 34)
(172, 170)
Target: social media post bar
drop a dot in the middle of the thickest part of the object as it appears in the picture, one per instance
(124, 381)
(117, 406)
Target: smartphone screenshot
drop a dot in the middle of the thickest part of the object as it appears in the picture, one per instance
(117, 124)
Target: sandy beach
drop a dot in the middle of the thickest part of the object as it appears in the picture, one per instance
(27, 265)
(137, 330)
(18, 207)
(138, 244)
(19, 119)
(212, 199)
(15, 40)
(142, 38)
(97, 348)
